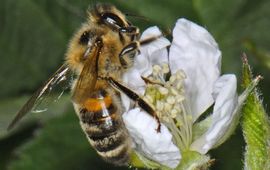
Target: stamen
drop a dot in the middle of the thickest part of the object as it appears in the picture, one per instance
(168, 98)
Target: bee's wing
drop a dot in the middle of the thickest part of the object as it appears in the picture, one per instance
(57, 79)
(88, 77)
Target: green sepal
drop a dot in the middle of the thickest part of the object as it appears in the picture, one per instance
(255, 125)
(135, 161)
(199, 128)
(192, 160)
(139, 161)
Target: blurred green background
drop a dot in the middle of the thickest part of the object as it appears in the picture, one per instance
(33, 38)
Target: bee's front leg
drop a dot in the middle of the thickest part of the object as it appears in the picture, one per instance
(133, 47)
(130, 30)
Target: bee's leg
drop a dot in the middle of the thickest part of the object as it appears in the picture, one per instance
(133, 47)
(148, 81)
(131, 31)
(135, 97)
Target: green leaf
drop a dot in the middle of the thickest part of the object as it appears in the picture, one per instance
(256, 127)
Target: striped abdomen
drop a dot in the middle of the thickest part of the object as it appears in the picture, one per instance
(102, 123)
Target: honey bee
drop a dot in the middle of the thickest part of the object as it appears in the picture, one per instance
(99, 53)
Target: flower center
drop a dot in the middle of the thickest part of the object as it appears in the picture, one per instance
(165, 93)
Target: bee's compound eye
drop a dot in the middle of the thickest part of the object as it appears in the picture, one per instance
(112, 20)
(85, 38)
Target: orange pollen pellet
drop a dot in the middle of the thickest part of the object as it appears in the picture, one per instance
(95, 104)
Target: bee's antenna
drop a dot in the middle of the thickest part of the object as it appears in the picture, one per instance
(137, 16)
(167, 32)
(71, 9)
(151, 39)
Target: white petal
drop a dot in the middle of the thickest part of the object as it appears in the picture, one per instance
(156, 51)
(225, 96)
(153, 145)
(133, 79)
(196, 52)
(153, 53)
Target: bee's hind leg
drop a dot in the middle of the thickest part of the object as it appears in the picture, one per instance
(135, 97)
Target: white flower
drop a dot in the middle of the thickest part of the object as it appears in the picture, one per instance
(180, 96)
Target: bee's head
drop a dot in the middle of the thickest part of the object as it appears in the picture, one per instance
(104, 23)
